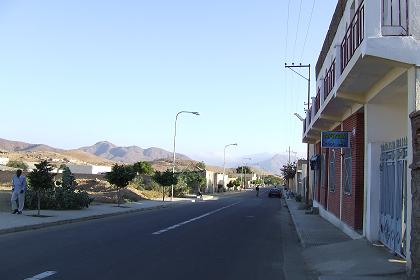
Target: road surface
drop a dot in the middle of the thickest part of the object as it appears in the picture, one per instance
(239, 236)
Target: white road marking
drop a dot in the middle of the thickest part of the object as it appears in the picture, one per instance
(193, 219)
(42, 275)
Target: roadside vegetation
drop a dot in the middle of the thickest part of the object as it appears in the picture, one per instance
(45, 193)
(17, 164)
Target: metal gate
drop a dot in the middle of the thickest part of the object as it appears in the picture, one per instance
(393, 196)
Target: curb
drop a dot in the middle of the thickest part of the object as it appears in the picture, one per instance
(302, 242)
(78, 220)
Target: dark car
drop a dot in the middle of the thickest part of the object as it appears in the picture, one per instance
(275, 192)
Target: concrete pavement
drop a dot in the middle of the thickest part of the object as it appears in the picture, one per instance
(334, 255)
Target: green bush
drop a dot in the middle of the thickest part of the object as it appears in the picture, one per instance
(17, 164)
(181, 189)
(58, 198)
(298, 198)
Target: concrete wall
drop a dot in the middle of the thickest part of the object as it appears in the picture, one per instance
(4, 160)
(386, 119)
(88, 169)
(6, 176)
(97, 169)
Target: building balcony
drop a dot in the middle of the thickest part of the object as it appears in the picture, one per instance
(372, 40)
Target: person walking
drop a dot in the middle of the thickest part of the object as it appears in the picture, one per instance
(18, 192)
(258, 191)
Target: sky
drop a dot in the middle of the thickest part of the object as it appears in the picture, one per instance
(75, 72)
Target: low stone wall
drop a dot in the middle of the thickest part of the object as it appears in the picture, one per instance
(5, 201)
(6, 176)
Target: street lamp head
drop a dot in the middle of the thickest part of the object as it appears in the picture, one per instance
(299, 117)
(196, 113)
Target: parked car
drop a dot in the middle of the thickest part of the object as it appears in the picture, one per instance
(275, 192)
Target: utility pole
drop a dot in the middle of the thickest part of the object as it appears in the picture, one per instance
(308, 79)
(290, 152)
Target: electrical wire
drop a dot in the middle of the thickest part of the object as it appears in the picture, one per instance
(307, 30)
(287, 30)
(297, 29)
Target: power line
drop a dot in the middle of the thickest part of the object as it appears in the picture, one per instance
(297, 29)
(307, 30)
(287, 30)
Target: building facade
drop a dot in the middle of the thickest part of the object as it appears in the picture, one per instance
(368, 77)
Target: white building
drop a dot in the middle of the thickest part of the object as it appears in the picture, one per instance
(4, 160)
(88, 169)
(368, 80)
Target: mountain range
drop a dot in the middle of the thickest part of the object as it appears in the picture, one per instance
(129, 154)
(103, 149)
(269, 162)
(105, 152)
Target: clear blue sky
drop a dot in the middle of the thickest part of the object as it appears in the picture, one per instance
(74, 72)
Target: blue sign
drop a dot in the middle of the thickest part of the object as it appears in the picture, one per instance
(335, 139)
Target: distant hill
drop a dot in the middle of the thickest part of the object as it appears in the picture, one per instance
(129, 154)
(17, 146)
(274, 164)
(101, 153)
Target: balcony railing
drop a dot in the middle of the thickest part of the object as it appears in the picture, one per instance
(329, 80)
(354, 36)
(395, 17)
(317, 101)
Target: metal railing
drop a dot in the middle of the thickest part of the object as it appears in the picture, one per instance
(354, 36)
(329, 80)
(317, 101)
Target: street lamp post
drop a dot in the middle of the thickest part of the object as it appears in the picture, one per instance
(174, 154)
(308, 66)
(224, 161)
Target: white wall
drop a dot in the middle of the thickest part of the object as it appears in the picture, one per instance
(4, 161)
(211, 187)
(386, 119)
(413, 105)
(98, 169)
(80, 169)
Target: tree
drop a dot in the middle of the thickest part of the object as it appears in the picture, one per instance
(165, 179)
(17, 164)
(143, 168)
(120, 176)
(201, 165)
(288, 171)
(230, 185)
(273, 180)
(194, 180)
(68, 179)
(237, 182)
(257, 182)
(40, 180)
(244, 169)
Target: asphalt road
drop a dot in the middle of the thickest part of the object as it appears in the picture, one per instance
(237, 237)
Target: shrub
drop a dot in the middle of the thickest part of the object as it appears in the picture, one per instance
(68, 178)
(181, 189)
(120, 177)
(58, 198)
(17, 164)
(298, 198)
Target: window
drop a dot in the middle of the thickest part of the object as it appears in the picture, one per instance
(331, 177)
(347, 170)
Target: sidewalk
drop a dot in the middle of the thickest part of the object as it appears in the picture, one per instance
(14, 223)
(333, 255)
